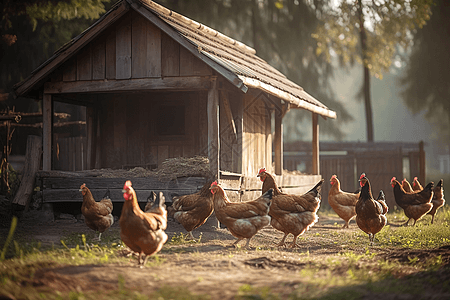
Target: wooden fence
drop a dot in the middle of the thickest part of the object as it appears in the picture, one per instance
(380, 162)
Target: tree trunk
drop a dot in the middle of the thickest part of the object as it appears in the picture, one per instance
(366, 84)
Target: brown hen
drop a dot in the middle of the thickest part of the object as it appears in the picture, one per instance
(370, 213)
(192, 211)
(343, 203)
(416, 185)
(243, 219)
(407, 186)
(415, 205)
(292, 213)
(97, 215)
(438, 197)
(142, 232)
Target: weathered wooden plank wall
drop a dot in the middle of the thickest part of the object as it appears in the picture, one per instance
(256, 145)
(70, 154)
(134, 48)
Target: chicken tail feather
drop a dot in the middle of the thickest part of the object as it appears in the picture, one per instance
(160, 200)
(381, 196)
(268, 194)
(317, 188)
(107, 194)
(429, 186)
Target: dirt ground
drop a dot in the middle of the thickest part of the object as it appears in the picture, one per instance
(210, 267)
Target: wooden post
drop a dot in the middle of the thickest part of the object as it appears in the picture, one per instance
(47, 131)
(91, 133)
(31, 166)
(315, 145)
(422, 176)
(213, 128)
(278, 141)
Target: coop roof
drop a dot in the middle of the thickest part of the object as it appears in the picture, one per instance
(234, 60)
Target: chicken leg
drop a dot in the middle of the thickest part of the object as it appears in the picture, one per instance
(282, 242)
(294, 242)
(191, 235)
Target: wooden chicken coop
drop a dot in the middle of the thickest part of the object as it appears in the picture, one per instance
(154, 85)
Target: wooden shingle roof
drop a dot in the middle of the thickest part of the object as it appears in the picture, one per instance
(234, 60)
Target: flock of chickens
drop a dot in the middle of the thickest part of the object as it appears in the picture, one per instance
(370, 213)
(143, 231)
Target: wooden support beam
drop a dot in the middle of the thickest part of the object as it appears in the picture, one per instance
(225, 105)
(213, 129)
(91, 132)
(422, 176)
(315, 144)
(47, 131)
(278, 141)
(146, 84)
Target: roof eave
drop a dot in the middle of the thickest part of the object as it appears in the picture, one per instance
(254, 83)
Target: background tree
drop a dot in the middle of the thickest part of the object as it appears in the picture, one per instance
(427, 73)
(369, 32)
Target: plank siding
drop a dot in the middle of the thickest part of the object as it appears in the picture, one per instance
(120, 142)
(139, 46)
(133, 48)
(170, 57)
(135, 134)
(153, 55)
(70, 70)
(191, 65)
(110, 54)
(98, 59)
(84, 64)
(123, 48)
(202, 137)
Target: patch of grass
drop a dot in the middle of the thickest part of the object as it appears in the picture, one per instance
(248, 292)
(421, 236)
(180, 239)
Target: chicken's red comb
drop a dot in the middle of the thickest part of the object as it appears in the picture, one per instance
(83, 185)
(362, 176)
(127, 185)
(334, 176)
(415, 178)
(393, 178)
(404, 179)
(214, 183)
(262, 170)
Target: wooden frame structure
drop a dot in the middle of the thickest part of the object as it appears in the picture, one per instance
(140, 54)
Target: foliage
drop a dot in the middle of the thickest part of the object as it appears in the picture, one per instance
(9, 238)
(32, 30)
(369, 32)
(427, 77)
(388, 23)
